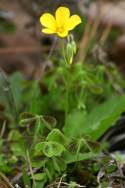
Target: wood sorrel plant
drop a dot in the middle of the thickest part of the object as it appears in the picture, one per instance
(53, 148)
(56, 144)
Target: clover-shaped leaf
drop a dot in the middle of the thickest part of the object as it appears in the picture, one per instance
(50, 148)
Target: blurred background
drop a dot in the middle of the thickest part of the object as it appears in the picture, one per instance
(24, 48)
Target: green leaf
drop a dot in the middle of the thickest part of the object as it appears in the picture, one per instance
(18, 149)
(40, 176)
(14, 135)
(4, 166)
(104, 117)
(50, 148)
(38, 163)
(39, 148)
(40, 184)
(53, 149)
(73, 157)
(57, 136)
(59, 164)
(75, 124)
(95, 123)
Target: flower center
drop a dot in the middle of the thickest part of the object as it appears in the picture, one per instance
(60, 29)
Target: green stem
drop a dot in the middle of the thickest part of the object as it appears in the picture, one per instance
(47, 125)
(66, 81)
(37, 129)
(33, 105)
(88, 146)
(30, 168)
(67, 103)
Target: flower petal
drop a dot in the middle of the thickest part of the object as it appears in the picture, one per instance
(63, 34)
(62, 15)
(73, 22)
(48, 31)
(48, 21)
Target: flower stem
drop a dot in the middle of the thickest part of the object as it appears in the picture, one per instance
(67, 103)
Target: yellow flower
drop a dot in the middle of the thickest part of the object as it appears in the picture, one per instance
(61, 24)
